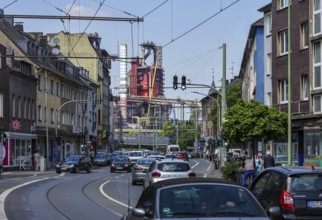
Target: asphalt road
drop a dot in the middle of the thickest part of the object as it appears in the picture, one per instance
(97, 195)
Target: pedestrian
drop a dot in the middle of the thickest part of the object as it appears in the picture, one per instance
(37, 161)
(249, 168)
(258, 164)
(92, 155)
(269, 160)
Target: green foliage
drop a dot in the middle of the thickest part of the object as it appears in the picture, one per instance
(251, 121)
(229, 170)
(132, 133)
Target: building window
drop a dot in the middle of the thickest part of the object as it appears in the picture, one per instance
(304, 87)
(317, 65)
(304, 35)
(317, 17)
(45, 114)
(269, 99)
(39, 113)
(317, 103)
(25, 108)
(282, 91)
(282, 4)
(268, 24)
(13, 106)
(57, 88)
(1, 105)
(283, 42)
(52, 115)
(40, 82)
(19, 107)
(52, 87)
(269, 64)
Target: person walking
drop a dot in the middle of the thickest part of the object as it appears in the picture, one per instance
(269, 160)
(37, 161)
(258, 164)
(249, 167)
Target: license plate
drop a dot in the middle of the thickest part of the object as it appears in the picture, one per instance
(314, 204)
(63, 168)
(119, 168)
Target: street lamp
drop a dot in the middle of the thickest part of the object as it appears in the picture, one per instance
(219, 122)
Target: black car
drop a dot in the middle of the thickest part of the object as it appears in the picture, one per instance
(102, 159)
(74, 164)
(197, 198)
(121, 163)
(297, 191)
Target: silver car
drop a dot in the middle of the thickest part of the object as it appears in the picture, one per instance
(162, 169)
(140, 169)
(198, 198)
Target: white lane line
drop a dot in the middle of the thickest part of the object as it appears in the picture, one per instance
(3, 196)
(110, 198)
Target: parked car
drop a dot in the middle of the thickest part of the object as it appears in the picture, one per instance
(297, 191)
(197, 198)
(74, 164)
(102, 159)
(121, 163)
(134, 156)
(167, 169)
(140, 169)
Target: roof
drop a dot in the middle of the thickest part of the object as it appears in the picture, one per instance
(175, 181)
(290, 170)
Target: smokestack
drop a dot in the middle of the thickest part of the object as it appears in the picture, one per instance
(123, 82)
(19, 26)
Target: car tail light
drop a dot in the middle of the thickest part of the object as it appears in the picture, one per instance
(286, 201)
(156, 175)
(192, 174)
(138, 168)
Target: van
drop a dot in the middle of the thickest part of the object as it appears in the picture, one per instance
(173, 149)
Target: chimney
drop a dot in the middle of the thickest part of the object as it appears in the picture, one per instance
(43, 42)
(19, 26)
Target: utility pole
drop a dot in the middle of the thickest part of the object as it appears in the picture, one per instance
(223, 107)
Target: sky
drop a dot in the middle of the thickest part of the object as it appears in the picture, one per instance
(192, 33)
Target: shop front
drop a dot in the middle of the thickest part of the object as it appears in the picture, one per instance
(313, 146)
(17, 151)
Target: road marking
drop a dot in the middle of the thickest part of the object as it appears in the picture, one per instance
(110, 198)
(3, 196)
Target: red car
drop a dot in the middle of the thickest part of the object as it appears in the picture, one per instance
(182, 156)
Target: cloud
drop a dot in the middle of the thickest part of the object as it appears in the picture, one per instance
(85, 11)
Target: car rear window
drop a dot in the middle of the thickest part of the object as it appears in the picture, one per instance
(144, 162)
(306, 182)
(173, 167)
(207, 200)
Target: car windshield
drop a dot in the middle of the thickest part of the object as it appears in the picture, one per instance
(72, 158)
(173, 167)
(144, 162)
(207, 200)
(306, 182)
(120, 159)
(135, 154)
(100, 155)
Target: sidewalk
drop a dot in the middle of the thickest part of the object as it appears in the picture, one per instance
(21, 173)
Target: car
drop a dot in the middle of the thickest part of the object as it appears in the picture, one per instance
(297, 191)
(170, 156)
(162, 169)
(173, 149)
(120, 163)
(197, 198)
(134, 156)
(182, 155)
(74, 164)
(140, 169)
(102, 159)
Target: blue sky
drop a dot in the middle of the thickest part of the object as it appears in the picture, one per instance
(208, 24)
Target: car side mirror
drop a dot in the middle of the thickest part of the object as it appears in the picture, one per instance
(274, 210)
(138, 212)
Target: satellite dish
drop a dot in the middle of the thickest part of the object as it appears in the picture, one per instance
(56, 50)
(56, 41)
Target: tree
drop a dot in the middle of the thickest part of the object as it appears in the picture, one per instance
(251, 121)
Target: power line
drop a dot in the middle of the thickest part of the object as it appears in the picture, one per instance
(198, 25)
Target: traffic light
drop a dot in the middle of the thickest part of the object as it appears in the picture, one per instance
(183, 82)
(175, 82)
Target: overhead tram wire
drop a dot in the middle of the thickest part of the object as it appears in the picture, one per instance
(9, 5)
(198, 25)
(89, 23)
(55, 7)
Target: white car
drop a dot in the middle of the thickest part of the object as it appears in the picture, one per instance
(134, 156)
